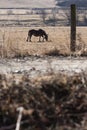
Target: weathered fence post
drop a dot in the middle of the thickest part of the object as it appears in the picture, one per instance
(73, 28)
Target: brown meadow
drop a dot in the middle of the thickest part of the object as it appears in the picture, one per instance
(13, 41)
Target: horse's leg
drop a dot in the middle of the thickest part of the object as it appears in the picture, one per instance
(43, 38)
(27, 38)
(30, 38)
(39, 38)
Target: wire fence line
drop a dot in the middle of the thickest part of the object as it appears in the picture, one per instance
(41, 16)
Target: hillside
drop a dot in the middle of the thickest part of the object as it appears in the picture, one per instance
(27, 3)
(79, 3)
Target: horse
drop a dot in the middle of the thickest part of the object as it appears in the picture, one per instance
(38, 33)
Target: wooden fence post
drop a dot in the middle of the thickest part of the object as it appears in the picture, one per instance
(73, 28)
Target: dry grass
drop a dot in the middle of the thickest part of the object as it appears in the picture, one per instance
(13, 42)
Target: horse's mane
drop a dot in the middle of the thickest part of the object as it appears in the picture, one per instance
(40, 30)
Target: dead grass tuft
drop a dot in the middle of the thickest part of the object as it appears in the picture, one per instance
(56, 52)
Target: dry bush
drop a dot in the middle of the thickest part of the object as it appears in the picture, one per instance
(53, 52)
(81, 47)
(57, 102)
(56, 52)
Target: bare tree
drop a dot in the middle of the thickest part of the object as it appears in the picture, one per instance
(43, 15)
(54, 17)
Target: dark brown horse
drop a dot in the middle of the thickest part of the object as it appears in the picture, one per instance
(38, 33)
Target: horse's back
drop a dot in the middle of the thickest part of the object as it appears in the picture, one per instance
(31, 31)
(39, 32)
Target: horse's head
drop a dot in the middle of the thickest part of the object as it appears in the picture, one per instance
(46, 37)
